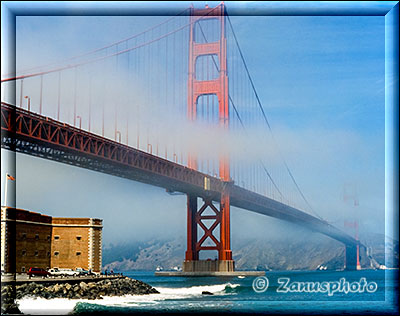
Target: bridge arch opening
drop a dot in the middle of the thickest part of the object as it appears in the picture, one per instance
(207, 109)
(207, 67)
(207, 30)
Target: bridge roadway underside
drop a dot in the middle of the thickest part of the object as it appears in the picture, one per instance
(35, 135)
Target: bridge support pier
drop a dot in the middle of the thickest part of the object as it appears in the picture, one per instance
(352, 258)
(208, 241)
(191, 253)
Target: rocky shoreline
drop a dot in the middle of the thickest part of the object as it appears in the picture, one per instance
(83, 290)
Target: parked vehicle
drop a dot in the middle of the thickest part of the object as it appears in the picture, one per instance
(81, 271)
(67, 272)
(55, 272)
(37, 272)
(62, 272)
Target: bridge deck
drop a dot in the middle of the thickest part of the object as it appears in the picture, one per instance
(40, 136)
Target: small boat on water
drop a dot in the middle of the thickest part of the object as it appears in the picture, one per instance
(176, 268)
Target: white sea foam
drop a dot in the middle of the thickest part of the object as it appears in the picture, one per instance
(42, 306)
(63, 306)
(196, 290)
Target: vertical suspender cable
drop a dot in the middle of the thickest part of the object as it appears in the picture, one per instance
(21, 93)
(59, 96)
(266, 120)
(41, 95)
(90, 100)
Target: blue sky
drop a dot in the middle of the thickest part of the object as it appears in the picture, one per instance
(320, 79)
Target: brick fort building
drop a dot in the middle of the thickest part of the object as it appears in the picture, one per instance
(37, 240)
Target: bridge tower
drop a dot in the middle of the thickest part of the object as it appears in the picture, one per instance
(219, 88)
(352, 253)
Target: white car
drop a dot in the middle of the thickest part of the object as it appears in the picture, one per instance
(81, 271)
(69, 272)
(62, 272)
(55, 272)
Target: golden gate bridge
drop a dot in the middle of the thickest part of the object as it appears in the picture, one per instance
(174, 106)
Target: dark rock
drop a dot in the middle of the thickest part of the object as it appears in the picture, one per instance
(9, 309)
(83, 285)
(8, 304)
(206, 293)
(91, 290)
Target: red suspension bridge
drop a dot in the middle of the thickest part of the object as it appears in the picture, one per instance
(174, 106)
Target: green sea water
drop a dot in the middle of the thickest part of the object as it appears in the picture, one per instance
(243, 295)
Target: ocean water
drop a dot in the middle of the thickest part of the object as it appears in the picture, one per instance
(238, 295)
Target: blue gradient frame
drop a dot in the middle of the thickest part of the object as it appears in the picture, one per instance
(392, 128)
(389, 9)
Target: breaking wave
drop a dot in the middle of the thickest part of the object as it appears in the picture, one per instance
(63, 306)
